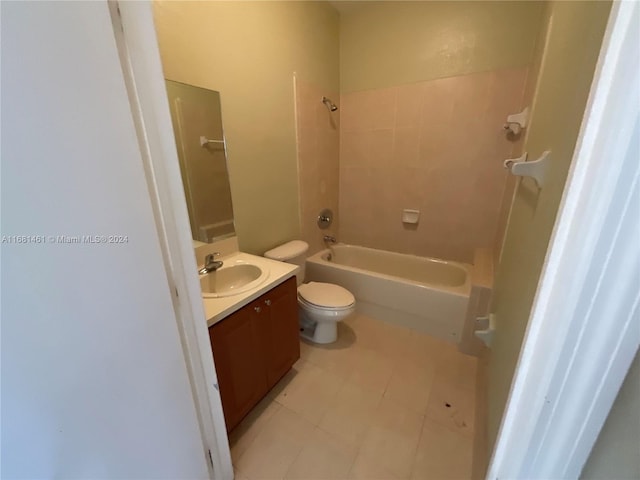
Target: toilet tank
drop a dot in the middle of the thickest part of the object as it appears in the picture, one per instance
(294, 252)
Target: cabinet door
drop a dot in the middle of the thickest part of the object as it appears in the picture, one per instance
(282, 343)
(241, 373)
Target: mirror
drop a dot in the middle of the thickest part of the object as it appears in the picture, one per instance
(197, 125)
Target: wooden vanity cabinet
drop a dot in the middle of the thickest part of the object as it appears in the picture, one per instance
(253, 348)
(282, 339)
(236, 349)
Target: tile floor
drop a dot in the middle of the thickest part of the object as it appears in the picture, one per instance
(382, 403)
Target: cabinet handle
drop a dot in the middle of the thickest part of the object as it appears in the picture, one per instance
(257, 309)
(267, 302)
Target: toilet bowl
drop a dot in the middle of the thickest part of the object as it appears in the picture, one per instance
(320, 305)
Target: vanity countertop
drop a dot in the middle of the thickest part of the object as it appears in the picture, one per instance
(216, 309)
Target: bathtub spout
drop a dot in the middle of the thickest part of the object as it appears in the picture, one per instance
(330, 239)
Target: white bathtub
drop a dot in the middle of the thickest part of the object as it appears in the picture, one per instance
(425, 294)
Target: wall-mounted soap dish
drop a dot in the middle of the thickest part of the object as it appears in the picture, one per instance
(410, 216)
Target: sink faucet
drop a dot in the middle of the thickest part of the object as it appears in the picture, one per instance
(210, 265)
(330, 239)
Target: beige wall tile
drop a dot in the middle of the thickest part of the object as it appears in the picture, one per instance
(380, 148)
(406, 147)
(352, 105)
(318, 151)
(409, 105)
(381, 108)
(447, 149)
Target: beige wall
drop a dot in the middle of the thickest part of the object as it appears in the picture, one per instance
(616, 453)
(384, 44)
(566, 73)
(248, 51)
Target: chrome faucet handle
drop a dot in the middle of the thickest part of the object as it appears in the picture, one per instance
(210, 264)
(210, 258)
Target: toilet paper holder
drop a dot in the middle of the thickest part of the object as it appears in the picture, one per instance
(535, 169)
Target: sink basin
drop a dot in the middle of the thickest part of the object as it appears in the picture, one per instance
(232, 280)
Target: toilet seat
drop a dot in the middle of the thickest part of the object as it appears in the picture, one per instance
(325, 296)
(318, 308)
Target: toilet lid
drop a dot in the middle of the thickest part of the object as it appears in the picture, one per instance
(326, 295)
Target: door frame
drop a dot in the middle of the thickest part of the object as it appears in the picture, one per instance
(135, 35)
(552, 372)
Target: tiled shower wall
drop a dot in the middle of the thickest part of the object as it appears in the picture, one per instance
(318, 133)
(435, 146)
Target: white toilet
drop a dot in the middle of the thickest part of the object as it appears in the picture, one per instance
(321, 305)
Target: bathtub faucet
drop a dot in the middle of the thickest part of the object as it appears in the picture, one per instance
(330, 239)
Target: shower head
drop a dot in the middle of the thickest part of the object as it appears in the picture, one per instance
(330, 105)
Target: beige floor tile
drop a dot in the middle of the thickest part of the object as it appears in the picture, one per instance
(276, 446)
(310, 392)
(384, 338)
(241, 437)
(346, 335)
(323, 457)
(350, 413)
(459, 369)
(305, 349)
(452, 405)
(300, 371)
(370, 370)
(392, 438)
(371, 406)
(366, 331)
(336, 357)
(425, 350)
(291, 378)
(410, 385)
(442, 454)
(365, 468)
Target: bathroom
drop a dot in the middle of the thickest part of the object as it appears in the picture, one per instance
(423, 91)
(108, 369)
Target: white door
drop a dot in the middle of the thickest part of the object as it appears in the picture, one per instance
(94, 378)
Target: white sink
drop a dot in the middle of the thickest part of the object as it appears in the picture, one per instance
(232, 279)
